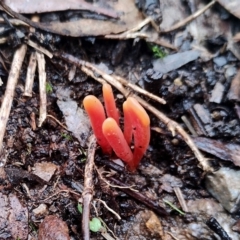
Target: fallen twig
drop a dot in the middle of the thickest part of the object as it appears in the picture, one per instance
(109, 209)
(172, 125)
(30, 75)
(181, 199)
(15, 22)
(50, 116)
(42, 88)
(189, 19)
(10, 89)
(88, 187)
(140, 197)
(39, 48)
(140, 90)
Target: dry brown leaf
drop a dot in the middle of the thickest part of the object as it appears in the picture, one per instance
(130, 17)
(40, 6)
(233, 6)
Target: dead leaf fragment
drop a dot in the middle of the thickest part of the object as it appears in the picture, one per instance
(154, 225)
(39, 6)
(130, 17)
(76, 119)
(53, 228)
(234, 91)
(233, 6)
(174, 61)
(13, 218)
(45, 170)
(224, 151)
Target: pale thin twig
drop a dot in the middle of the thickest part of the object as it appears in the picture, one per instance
(50, 116)
(33, 121)
(42, 88)
(140, 90)
(181, 199)
(109, 209)
(133, 33)
(189, 126)
(112, 185)
(106, 235)
(15, 22)
(189, 19)
(10, 89)
(39, 48)
(88, 187)
(172, 235)
(66, 191)
(31, 69)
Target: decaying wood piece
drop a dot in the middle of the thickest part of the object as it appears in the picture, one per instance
(10, 88)
(42, 88)
(172, 125)
(88, 187)
(234, 91)
(30, 75)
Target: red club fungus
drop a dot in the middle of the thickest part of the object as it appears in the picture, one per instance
(109, 102)
(140, 122)
(114, 135)
(108, 133)
(95, 111)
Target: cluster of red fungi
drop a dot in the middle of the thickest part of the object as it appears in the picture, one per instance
(108, 132)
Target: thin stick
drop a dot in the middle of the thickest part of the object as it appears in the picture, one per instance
(140, 198)
(172, 125)
(140, 90)
(42, 89)
(10, 89)
(50, 116)
(189, 126)
(33, 121)
(15, 22)
(109, 209)
(39, 48)
(190, 18)
(30, 75)
(181, 199)
(88, 187)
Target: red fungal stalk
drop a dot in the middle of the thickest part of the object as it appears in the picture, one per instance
(114, 136)
(95, 111)
(109, 102)
(140, 122)
(128, 129)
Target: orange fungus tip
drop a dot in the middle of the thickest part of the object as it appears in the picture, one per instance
(109, 102)
(115, 137)
(140, 123)
(95, 111)
(139, 111)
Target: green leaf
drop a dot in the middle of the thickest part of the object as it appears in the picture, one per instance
(95, 224)
(157, 51)
(49, 88)
(79, 206)
(66, 136)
